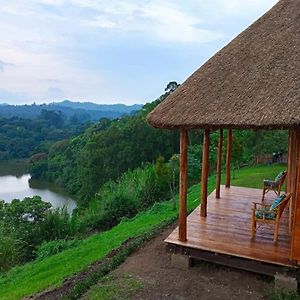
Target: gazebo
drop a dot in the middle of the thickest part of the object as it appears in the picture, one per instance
(252, 83)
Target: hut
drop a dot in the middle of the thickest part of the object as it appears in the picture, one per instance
(252, 83)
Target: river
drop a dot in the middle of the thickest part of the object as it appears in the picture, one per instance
(15, 184)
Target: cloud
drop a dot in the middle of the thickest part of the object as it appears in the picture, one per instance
(79, 49)
(162, 21)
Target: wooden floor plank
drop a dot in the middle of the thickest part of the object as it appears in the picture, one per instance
(226, 229)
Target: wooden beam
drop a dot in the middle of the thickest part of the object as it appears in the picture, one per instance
(228, 157)
(205, 170)
(183, 185)
(219, 164)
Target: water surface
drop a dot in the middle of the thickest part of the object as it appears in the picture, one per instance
(16, 183)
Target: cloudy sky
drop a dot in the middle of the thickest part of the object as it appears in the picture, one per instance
(111, 51)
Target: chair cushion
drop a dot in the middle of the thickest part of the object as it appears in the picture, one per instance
(279, 176)
(270, 184)
(277, 201)
(265, 213)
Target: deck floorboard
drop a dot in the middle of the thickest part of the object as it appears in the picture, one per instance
(226, 229)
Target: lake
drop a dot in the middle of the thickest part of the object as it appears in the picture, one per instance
(15, 183)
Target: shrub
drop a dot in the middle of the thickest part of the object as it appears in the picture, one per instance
(58, 225)
(54, 247)
(136, 191)
(9, 252)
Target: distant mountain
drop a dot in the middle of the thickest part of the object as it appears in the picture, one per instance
(82, 111)
(99, 107)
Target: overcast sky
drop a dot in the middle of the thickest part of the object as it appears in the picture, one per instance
(111, 51)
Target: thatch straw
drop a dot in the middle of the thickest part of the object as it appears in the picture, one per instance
(253, 82)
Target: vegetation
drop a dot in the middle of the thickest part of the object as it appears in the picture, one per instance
(51, 271)
(118, 169)
(104, 152)
(76, 111)
(109, 148)
(25, 225)
(111, 287)
(21, 138)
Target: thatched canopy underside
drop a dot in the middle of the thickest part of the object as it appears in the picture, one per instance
(253, 82)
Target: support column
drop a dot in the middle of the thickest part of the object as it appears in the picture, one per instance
(228, 157)
(289, 166)
(293, 157)
(183, 185)
(205, 170)
(219, 164)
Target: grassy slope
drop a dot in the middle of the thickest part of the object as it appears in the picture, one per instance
(37, 276)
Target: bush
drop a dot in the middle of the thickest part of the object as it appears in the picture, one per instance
(9, 252)
(136, 191)
(54, 247)
(58, 225)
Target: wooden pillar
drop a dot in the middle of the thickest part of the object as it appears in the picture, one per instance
(293, 157)
(290, 162)
(183, 185)
(219, 164)
(295, 234)
(228, 157)
(205, 170)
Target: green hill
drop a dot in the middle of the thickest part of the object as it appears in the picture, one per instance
(37, 276)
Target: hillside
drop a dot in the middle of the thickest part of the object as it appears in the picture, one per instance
(52, 271)
(81, 111)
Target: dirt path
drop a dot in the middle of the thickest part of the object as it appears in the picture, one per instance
(151, 266)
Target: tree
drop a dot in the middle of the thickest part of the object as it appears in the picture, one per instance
(171, 87)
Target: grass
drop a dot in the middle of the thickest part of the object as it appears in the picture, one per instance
(114, 288)
(283, 295)
(39, 275)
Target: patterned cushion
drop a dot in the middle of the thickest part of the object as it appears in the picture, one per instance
(279, 176)
(270, 184)
(277, 201)
(265, 213)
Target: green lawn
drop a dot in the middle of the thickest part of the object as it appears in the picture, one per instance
(114, 287)
(37, 276)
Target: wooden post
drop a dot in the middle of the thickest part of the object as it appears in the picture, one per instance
(205, 170)
(183, 185)
(219, 164)
(293, 152)
(228, 157)
(289, 166)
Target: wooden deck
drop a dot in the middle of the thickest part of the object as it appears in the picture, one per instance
(226, 229)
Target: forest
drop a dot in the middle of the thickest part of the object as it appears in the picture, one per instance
(115, 168)
(20, 138)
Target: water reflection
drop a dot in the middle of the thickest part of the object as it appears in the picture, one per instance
(16, 184)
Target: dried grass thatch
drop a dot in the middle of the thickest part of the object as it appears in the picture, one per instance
(253, 82)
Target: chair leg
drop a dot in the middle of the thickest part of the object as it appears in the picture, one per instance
(276, 232)
(263, 195)
(253, 228)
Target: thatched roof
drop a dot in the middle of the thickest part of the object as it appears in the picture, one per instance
(253, 82)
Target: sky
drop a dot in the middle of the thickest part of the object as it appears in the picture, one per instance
(111, 51)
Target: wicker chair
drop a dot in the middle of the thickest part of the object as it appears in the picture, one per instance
(269, 214)
(274, 185)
